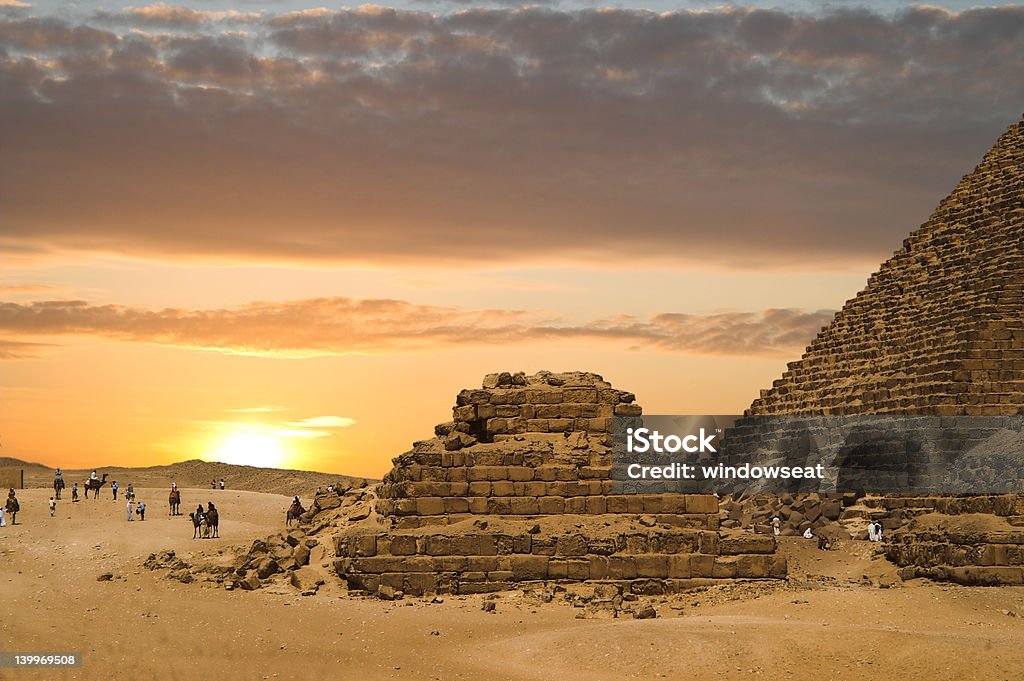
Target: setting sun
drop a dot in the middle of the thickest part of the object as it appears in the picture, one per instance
(251, 449)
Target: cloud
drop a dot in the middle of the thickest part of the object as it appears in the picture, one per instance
(324, 422)
(17, 289)
(754, 138)
(21, 350)
(161, 15)
(344, 325)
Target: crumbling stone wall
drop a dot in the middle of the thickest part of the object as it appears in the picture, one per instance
(517, 487)
(969, 541)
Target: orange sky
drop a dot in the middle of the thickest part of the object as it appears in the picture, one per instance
(290, 237)
(81, 395)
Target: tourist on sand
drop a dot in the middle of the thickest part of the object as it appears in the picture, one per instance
(13, 507)
(872, 532)
(808, 534)
(74, 492)
(776, 526)
(213, 484)
(142, 510)
(222, 483)
(878, 531)
(130, 493)
(113, 488)
(130, 507)
(3, 517)
(53, 507)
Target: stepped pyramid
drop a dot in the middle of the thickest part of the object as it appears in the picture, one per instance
(939, 329)
(517, 488)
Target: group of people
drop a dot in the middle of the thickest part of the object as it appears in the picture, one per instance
(10, 508)
(133, 506)
(824, 542)
(206, 521)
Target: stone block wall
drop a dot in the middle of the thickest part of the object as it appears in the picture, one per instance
(652, 560)
(517, 487)
(939, 329)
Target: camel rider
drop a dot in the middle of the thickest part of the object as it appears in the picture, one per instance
(92, 476)
(199, 512)
(58, 474)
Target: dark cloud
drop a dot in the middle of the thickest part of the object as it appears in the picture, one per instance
(373, 135)
(344, 325)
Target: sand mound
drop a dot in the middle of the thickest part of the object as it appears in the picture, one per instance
(196, 473)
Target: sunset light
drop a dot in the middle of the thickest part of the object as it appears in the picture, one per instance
(249, 448)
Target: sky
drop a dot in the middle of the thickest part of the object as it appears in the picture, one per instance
(287, 235)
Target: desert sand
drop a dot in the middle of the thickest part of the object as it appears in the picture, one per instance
(831, 620)
(192, 473)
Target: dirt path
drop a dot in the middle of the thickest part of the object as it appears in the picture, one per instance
(828, 623)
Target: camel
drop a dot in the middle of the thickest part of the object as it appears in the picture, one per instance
(58, 485)
(293, 513)
(95, 485)
(174, 500)
(213, 522)
(200, 528)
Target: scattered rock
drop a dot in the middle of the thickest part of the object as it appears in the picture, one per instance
(306, 579)
(647, 612)
(389, 593)
(250, 583)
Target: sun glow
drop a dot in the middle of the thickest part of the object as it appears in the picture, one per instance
(249, 448)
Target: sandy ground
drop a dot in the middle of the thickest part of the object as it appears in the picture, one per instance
(831, 621)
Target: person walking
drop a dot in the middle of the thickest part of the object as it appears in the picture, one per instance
(53, 507)
(776, 526)
(113, 488)
(130, 507)
(74, 492)
(13, 507)
(142, 510)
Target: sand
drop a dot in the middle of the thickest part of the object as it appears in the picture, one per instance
(830, 621)
(192, 473)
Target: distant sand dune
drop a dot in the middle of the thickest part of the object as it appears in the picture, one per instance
(193, 473)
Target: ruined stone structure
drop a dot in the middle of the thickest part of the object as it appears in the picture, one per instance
(517, 488)
(939, 329)
(12, 478)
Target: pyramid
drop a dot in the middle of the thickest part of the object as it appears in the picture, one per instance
(939, 329)
(517, 488)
